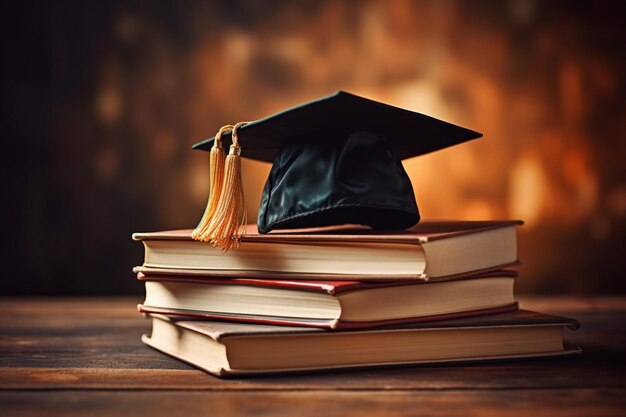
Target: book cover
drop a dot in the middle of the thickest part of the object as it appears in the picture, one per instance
(430, 250)
(412, 295)
(266, 349)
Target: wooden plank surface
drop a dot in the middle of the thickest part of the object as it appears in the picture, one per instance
(67, 355)
(535, 403)
(64, 344)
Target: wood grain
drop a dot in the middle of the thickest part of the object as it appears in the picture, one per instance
(557, 373)
(538, 403)
(83, 356)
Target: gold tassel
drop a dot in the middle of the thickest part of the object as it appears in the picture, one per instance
(226, 227)
(216, 179)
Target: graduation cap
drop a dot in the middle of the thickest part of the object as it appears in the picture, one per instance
(336, 160)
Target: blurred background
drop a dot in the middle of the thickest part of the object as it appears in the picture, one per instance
(101, 102)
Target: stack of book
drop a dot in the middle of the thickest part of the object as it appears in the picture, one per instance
(342, 297)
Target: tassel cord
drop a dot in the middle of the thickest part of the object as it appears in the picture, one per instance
(226, 227)
(216, 178)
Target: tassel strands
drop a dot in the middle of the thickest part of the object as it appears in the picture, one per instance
(216, 180)
(226, 227)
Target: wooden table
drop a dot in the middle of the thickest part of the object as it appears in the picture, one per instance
(83, 356)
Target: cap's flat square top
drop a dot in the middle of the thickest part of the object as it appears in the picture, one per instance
(411, 133)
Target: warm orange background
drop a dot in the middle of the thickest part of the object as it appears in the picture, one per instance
(102, 103)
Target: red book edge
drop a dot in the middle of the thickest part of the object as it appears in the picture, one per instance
(328, 287)
(326, 324)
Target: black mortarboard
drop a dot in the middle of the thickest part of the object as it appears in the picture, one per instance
(336, 160)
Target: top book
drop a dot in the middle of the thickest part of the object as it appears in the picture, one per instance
(430, 250)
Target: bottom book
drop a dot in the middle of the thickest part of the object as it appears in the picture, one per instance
(236, 349)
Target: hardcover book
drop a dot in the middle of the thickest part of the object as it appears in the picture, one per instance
(429, 250)
(225, 349)
(328, 304)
